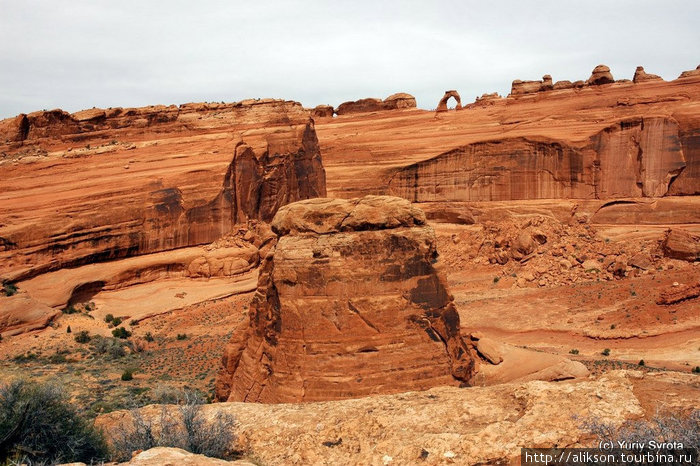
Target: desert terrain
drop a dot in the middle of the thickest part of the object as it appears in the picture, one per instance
(370, 284)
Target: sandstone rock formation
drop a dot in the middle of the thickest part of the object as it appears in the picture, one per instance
(284, 167)
(442, 105)
(393, 102)
(690, 73)
(600, 75)
(351, 291)
(445, 425)
(641, 76)
(633, 158)
(322, 111)
(529, 87)
(680, 244)
(348, 297)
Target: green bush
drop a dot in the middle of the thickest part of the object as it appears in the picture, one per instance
(83, 336)
(606, 352)
(109, 318)
(38, 424)
(696, 370)
(127, 375)
(641, 362)
(148, 336)
(68, 330)
(117, 321)
(113, 348)
(182, 336)
(121, 332)
(9, 288)
(573, 351)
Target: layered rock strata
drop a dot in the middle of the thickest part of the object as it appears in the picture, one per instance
(640, 157)
(151, 216)
(348, 304)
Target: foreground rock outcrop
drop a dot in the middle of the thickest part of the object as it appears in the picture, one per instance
(348, 304)
(476, 425)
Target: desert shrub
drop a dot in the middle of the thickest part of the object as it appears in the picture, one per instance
(185, 427)
(182, 336)
(496, 279)
(38, 424)
(696, 370)
(68, 330)
(641, 362)
(148, 336)
(121, 332)
(127, 375)
(117, 321)
(109, 318)
(82, 336)
(25, 357)
(69, 310)
(133, 322)
(58, 358)
(573, 351)
(666, 428)
(9, 288)
(112, 348)
(606, 352)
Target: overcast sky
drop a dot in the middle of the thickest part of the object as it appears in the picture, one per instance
(79, 54)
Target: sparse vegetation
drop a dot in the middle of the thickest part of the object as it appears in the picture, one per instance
(641, 363)
(83, 336)
(696, 370)
(573, 351)
(68, 330)
(39, 425)
(148, 337)
(606, 352)
(127, 375)
(112, 348)
(9, 288)
(182, 427)
(109, 318)
(121, 332)
(496, 279)
(182, 336)
(665, 428)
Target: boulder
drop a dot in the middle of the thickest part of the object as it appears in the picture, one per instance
(679, 244)
(600, 75)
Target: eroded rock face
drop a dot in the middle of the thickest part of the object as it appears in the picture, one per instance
(640, 157)
(529, 87)
(393, 102)
(348, 304)
(642, 76)
(680, 244)
(600, 75)
(260, 179)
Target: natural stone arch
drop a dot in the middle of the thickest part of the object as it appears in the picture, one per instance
(442, 105)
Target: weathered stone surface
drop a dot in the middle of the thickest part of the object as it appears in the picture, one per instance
(284, 168)
(347, 281)
(690, 73)
(641, 76)
(676, 294)
(600, 75)
(633, 158)
(679, 244)
(491, 426)
(393, 102)
(530, 87)
(322, 111)
(442, 105)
